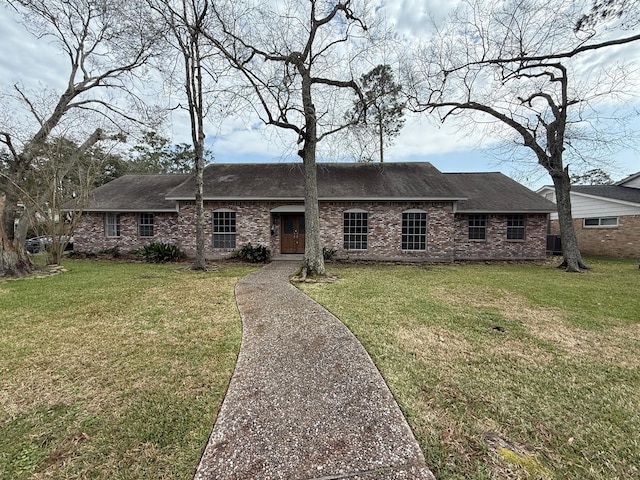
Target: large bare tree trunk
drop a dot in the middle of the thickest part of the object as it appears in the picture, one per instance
(200, 261)
(572, 258)
(313, 264)
(14, 260)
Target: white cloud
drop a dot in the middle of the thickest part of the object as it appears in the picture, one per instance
(37, 63)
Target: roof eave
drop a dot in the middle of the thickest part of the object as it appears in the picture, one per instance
(124, 210)
(609, 199)
(322, 199)
(479, 211)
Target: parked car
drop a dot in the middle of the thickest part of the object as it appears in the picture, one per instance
(36, 244)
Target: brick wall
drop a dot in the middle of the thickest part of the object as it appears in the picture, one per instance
(89, 235)
(622, 241)
(447, 237)
(496, 246)
(253, 224)
(385, 230)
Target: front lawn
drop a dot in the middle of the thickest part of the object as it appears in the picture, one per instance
(113, 370)
(505, 371)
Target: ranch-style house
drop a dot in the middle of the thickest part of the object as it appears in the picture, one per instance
(374, 211)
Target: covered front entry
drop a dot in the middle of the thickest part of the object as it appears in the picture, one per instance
(292, 233)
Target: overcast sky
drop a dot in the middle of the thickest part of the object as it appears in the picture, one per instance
(27, 60)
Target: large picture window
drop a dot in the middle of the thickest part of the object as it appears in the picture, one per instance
(414, 230)
(477, 227)
(145, 225)
(112, 224)
(356, 230)
(515, 227)
(224, 229)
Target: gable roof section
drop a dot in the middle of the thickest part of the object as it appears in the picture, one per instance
(336, 181)
(413, 181)
(631, 180)
(611, 192)
(496, 193)
(136, 193)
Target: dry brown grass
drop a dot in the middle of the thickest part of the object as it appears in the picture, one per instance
(505, 371)
(114, 370)
(547, 324)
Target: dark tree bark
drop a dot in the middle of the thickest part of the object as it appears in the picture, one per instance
(521, 79)
(84, 30)
(286, 91)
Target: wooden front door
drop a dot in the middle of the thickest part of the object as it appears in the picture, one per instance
(292, 233)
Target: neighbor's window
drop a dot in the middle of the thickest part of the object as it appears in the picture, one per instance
(477, 227)
(515, 227)
(601, 222)
(112, 224)
(145, 225)
(414, 230)
(356, 229)
(224, 229)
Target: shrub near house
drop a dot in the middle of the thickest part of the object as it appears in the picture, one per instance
(391, 211)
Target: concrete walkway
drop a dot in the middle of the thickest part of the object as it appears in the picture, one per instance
(305, 400)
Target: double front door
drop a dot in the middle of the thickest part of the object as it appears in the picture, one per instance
(292, 233)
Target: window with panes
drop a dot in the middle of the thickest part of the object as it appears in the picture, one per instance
(356, 230)
(112, 224)
(477, 227)
(601, 222)
(145, 225)
(224, 229)
(414, 231)
(515, 227)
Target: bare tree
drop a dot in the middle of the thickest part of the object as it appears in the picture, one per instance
(296, 59)
(55, 190)
(186, 22)
(518, 64)
(105, 43)
(381, 114)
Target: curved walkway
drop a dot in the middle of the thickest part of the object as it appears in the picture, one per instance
(305, 400)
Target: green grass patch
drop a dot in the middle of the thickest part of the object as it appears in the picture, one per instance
(505, 371)
(113, 370)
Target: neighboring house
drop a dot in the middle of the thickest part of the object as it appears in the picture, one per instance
(391, 211)
(606, 217)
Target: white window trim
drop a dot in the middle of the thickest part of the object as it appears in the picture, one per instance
(366, 235)
(584, 222)
(224, 234)
(486, 227)
(115, 224)
(523, 227)
(152, 224)
(426, 235)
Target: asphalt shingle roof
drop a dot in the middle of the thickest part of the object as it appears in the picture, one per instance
(615, 192)
(136, 193)
(418, 181)
(347, 181)
(496, 193)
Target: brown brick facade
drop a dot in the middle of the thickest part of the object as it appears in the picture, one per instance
(90, 232)
(622, 241)
(496, 246)
(447, 233)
